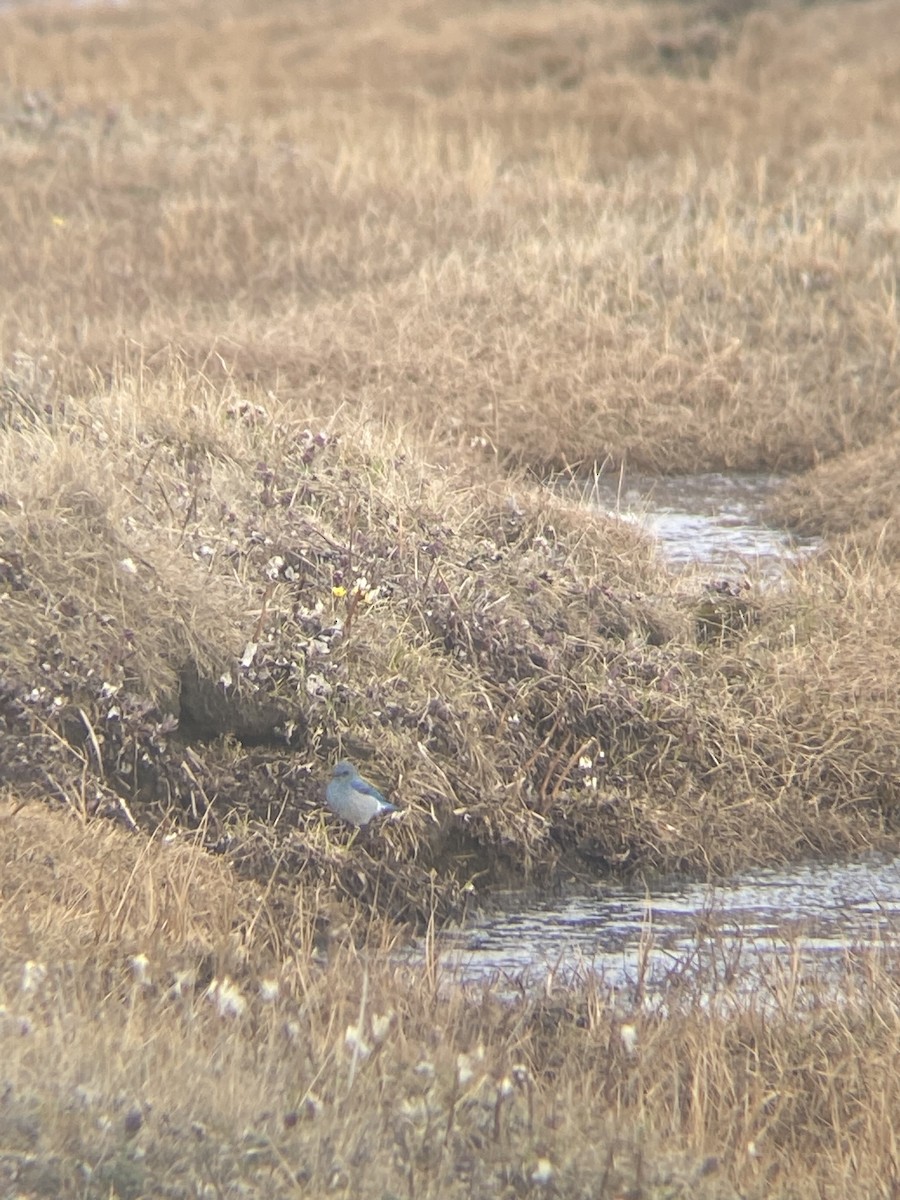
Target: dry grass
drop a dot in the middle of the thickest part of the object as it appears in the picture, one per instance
(294, 298)
(424, 215)
(853, 499)
(252, 356)
(164, 1033)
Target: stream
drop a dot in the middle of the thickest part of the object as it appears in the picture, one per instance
(713, 521)
(636, 940)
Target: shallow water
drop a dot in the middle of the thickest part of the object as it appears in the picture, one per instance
(629, 937)
(712, 519)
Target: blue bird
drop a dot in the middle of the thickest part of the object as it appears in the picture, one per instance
(352, 799)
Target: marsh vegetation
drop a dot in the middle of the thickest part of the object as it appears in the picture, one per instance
(301, 308)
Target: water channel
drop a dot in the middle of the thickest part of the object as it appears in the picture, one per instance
(716, 522)
(751, 931)
(634, 939)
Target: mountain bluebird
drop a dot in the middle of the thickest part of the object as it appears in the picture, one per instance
(352, 799)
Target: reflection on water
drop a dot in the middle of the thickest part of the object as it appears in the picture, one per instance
(717, 520)
(814, 914)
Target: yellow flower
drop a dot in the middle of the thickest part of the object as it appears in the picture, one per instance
(339, 591)
(58, 221)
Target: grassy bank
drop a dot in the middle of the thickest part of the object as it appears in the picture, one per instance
(299, 308)
(263, 342)
(853, 500)
(206, 604)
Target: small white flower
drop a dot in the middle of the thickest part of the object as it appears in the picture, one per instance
(356, 1043)
(127, 565)
(543, 1172)
(629, 1036)
(33, 976)
(381, 1024)
(227, 998)
(292, 1031)
(268, 990)
(467, 1065)
(183, 983)
(140, 969)
(585, 763)
(505, 1087)
(464, 1072)
(414, 1109)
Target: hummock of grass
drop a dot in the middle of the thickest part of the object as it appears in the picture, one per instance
(206, 604)
(252, 358)
(203, 1039)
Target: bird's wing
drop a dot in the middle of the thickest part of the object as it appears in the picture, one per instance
(366, 789)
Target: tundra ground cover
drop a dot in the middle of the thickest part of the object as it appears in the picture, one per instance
(299, 306)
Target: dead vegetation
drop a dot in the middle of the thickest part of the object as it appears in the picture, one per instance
(854, 500)
(420, 215)
(298, 307)
(261, 370)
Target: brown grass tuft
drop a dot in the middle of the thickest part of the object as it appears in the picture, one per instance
(855, 499)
